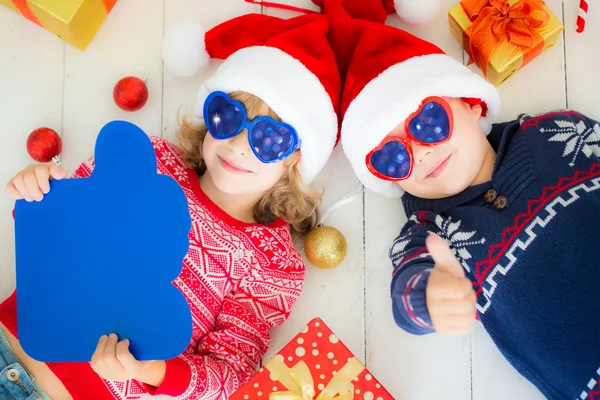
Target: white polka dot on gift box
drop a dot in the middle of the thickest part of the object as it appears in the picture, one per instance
(325, 355)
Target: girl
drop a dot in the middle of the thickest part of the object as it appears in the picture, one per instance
(244, 171)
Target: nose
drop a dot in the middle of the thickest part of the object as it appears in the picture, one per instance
(239, 144)
(420, 153)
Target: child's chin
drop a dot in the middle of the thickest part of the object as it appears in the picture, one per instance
(437, 191)
(232, 186)
(229, 186)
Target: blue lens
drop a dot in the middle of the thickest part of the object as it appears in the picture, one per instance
(431, 125)
(271, 142)
(223, 118)
(392, 160)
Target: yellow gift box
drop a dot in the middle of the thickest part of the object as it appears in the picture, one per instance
(502, 36)
(75, 21)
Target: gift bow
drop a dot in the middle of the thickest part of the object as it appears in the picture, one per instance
(299, 382)
(494, 20)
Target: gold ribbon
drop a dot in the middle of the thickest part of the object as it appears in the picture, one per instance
(299, 382)
(494, 20)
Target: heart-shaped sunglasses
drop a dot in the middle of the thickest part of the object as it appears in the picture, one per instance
(430, 125)
(271, 141)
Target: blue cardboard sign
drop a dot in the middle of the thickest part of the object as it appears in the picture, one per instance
(99, 255)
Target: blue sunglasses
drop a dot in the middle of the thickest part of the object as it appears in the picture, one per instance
(271, 141)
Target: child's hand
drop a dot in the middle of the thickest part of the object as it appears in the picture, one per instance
(112, 361)
(449, 293)
(34, 181)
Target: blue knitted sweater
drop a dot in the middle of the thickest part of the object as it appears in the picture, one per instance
(534, 264)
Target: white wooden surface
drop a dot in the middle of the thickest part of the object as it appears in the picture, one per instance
(44, 82)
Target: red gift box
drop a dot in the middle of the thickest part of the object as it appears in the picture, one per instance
(315, 365)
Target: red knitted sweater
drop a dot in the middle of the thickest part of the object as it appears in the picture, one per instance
(240, 280)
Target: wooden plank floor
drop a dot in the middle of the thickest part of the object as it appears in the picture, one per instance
(44, 82)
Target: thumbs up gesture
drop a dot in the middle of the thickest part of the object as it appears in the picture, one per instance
(449, 294)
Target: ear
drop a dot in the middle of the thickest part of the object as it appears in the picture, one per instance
(474, 106)
(476, 110)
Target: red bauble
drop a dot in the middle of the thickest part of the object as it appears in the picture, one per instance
(44, 144)
(130, 93)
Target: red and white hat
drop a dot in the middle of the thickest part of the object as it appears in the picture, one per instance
(388, 73)
(414, 12)
(287, 63)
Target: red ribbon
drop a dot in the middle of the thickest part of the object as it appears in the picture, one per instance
(494, 20)
(109, 5)
(24, 9)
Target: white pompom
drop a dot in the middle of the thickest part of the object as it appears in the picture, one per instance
(417, 12)
(184, 49)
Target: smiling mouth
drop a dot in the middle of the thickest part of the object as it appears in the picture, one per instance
(439, 168)
(231, 167)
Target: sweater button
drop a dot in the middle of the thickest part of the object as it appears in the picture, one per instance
(490, 196)
(500, 202)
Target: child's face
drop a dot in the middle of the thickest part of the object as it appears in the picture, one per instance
(448, 168)
(234, 168)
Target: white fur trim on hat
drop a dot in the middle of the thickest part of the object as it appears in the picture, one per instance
(390, 98)
(417, 11)
(184, 49)
(288, 88)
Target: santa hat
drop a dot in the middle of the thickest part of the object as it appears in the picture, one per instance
(414, 12)
(388, 73)
(286, 63)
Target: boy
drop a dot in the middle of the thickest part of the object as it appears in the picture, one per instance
(518, 209)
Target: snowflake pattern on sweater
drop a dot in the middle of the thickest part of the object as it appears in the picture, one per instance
(533, 263)
(240, 281)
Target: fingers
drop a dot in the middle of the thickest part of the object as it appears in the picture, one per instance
(443, 285)
(42, 176)
(454, 324)
(97, 361)
(113, 361)
(125, 357)
(57, 172)
(34, 182)
(455, 327)
(451, 303)
(453, 308)
(110, 354)
(442, 256)
(33, 186)
(12, 191)
(19, 184)
(452, 317)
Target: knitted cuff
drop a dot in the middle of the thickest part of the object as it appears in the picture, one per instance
(409, 301)
(177, 379)
(415, 301)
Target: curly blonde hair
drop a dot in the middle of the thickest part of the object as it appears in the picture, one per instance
(290, 198)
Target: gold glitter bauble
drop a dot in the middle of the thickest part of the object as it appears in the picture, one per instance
(325, 247)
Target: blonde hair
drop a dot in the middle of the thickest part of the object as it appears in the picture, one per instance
(290, 198)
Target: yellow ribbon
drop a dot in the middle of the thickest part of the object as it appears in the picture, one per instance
(299, 382)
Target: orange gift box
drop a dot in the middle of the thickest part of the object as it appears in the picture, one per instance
(502, 36)
(75, 21)
(315, 365)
